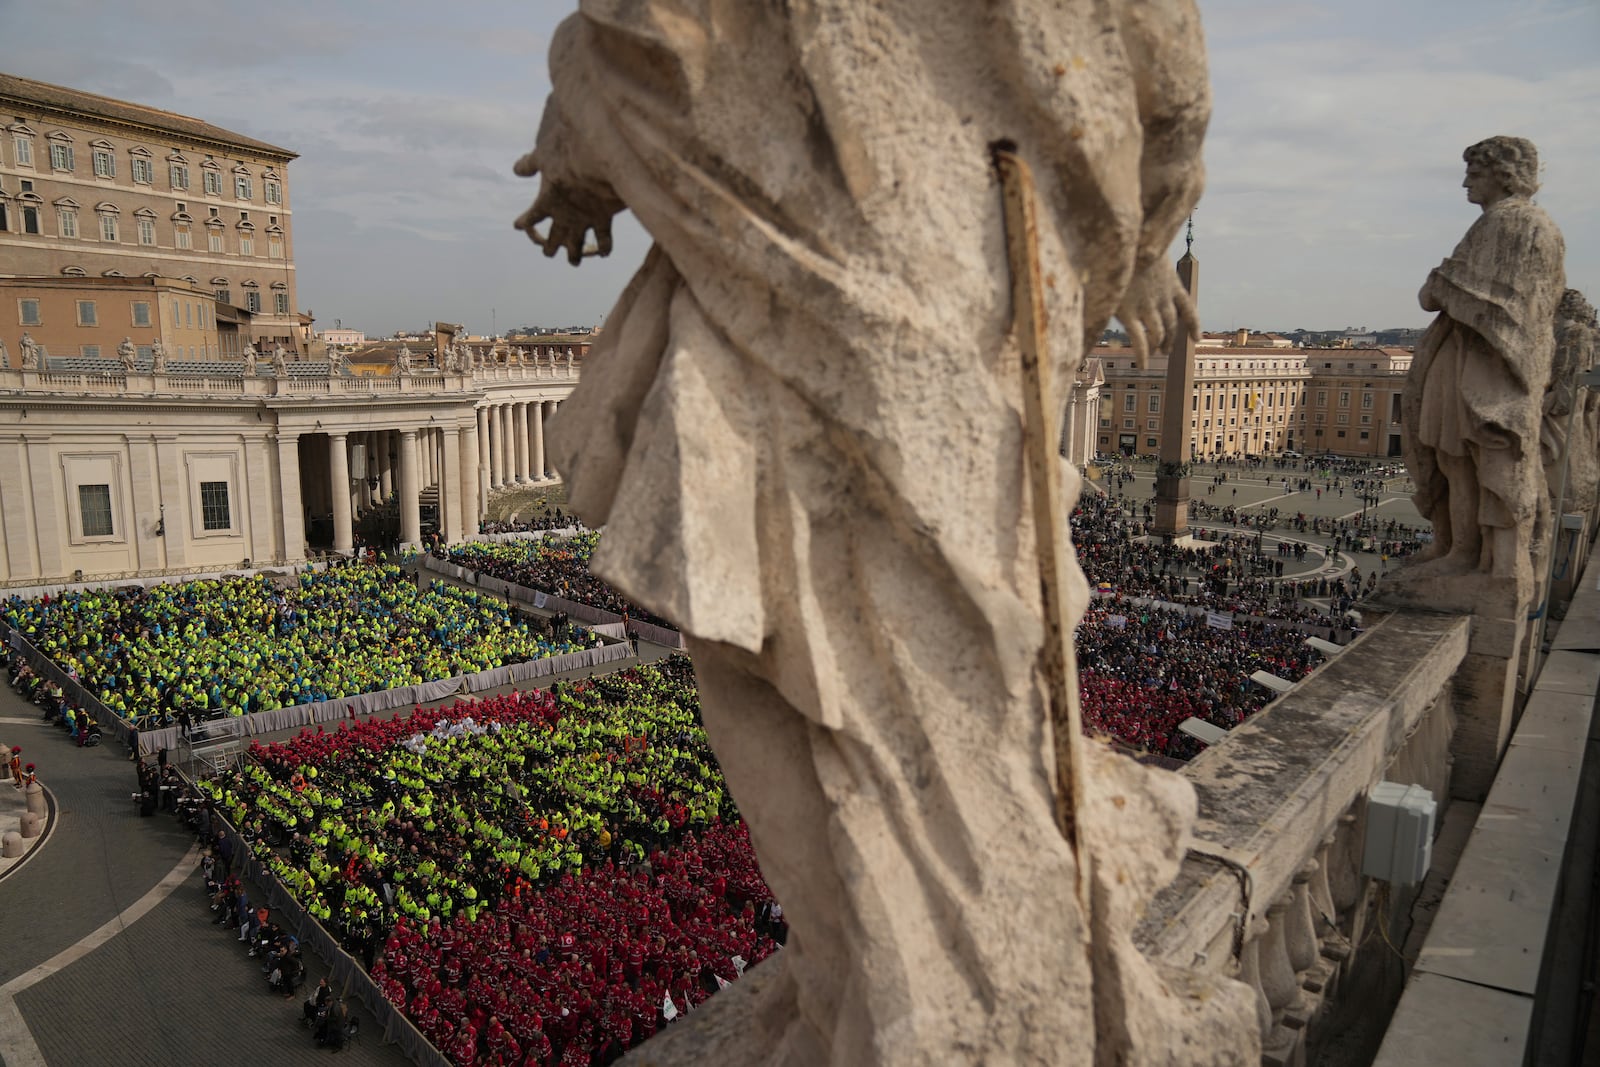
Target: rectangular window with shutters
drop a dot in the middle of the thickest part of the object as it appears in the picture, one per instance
(147, 231)
(94, 510)
(1155, 403)
(105, 164)
(108, 227)
(214, 511)
(28, 312)
(273, 191)
(24, 146)
(61, 157)
(252, 302)
(241, 187)
(213, 183)
(141, 313)
(87, 315)
(68, 219)
(181, 237)
(247, 245)
(213, 240)
(224, 296)
(280, 303)
(89, 351)
(178, 175)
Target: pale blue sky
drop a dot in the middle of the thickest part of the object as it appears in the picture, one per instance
(1333, 157)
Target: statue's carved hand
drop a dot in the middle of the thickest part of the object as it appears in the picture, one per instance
(1152, 308)
(574, 200)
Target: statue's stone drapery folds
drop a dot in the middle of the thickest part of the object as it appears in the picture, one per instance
(801, 430)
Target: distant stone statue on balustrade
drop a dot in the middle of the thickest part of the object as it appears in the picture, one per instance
(280, 362)
(249, 360)
(335, 362)
(127, 354)
(158, 356)
(30, 352)
(1471, 405)
(402, 361)
(5, 354)
(1577, 345)
(758, 429)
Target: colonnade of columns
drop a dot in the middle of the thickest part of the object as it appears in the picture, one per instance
(451, 467)
(511, 443)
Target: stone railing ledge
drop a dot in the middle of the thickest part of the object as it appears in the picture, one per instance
(1276, 788)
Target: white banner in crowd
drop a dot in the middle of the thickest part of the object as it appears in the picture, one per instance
(1219, 622)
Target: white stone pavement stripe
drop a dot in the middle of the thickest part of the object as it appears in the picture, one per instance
(12, 721)
(15, 1038)
(1357, 513)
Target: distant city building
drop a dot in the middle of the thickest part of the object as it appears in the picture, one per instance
(101, 188)
(340, 337)
(1258, 400)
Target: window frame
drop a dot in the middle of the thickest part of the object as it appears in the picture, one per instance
(22, 311)
(133, 314)
(105, 162)
(109, 515)
(209, 509)
(94, 313)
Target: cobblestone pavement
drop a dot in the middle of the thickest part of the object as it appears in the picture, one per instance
(169, 989)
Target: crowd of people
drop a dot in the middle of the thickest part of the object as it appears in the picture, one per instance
(558, 566)
(1142, 670)
(232, 646)
(542, 877)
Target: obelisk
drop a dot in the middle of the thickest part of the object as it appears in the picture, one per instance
(1172, 468)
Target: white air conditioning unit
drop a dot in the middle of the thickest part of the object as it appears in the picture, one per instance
(1400, 822)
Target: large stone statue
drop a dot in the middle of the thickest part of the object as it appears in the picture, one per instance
(1471, 402)
(1577, 343)
(249, 360)
(30, 352)
(158, 357)
(402, 360)
(280, 362)
(802, 432)
(126, 353)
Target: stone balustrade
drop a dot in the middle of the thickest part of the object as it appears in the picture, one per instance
(1272, 892)
(423, 381)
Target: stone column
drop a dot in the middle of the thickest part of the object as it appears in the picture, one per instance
(536, 440)
(293, 535)
(1172, 489)
(410, 515)
(501, 440)
(550, 409)
(497, 468)
(471, 479)
(385, 466)
(453, 488)
(520, 433)
(483, 460)
(339, 479)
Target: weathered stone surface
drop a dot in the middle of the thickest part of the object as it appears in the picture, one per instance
(802, 430)
(1577, 342)
(1471, 403)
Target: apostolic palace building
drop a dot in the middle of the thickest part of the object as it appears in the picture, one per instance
(1250, 398)
(164, 405)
